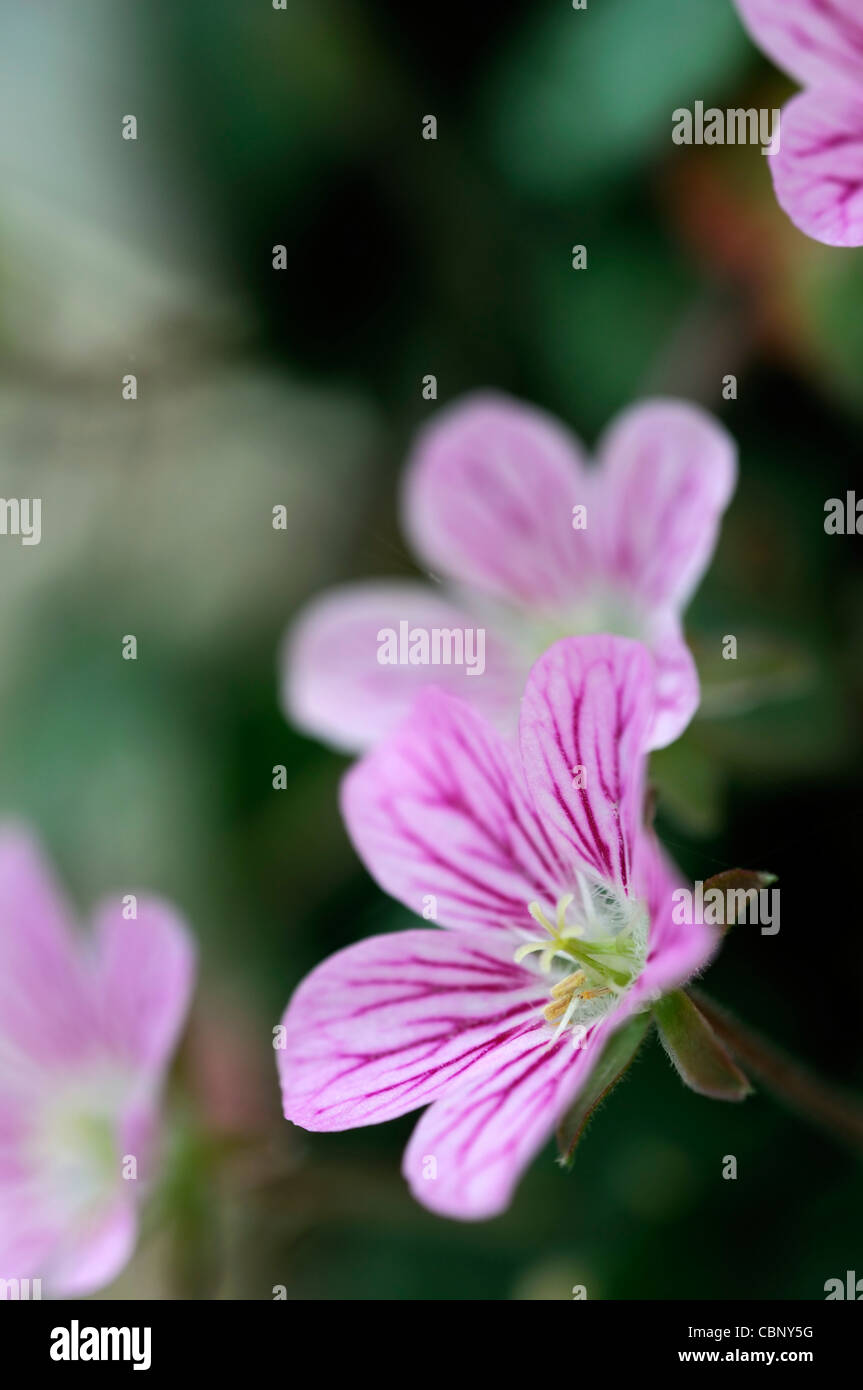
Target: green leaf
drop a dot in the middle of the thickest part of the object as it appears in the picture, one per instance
(700, 1058)
(737, 881)
(579, 98)
(618, 1053)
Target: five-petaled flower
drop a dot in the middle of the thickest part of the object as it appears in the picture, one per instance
(818, 172)
(555, 903)
(87, 1028)
(488, 502)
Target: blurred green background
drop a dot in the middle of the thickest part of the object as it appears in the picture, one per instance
(302, 387)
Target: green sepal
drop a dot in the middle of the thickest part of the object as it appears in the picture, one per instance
(700, 1058)
(615, 1058)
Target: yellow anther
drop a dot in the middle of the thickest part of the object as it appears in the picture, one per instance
(552, 1012)
(566, 987)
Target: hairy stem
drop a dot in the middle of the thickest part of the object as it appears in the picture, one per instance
(829, 1106)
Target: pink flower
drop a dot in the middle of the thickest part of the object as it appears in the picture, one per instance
(818, 170)
(86, 1030)
(489, 502)
(557, 909)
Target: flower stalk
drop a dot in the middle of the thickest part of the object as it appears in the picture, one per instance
(830, 1107)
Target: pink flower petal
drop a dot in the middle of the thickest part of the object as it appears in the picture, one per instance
(92, 1255)
(75, 1241)
(669, 470)
(384, 1026)
(817, 41)
(470, 1148)
(27, 1240)
(86, 1026)
(585, 717)
(676, 951)
(144, 978)
(818, 172)
(440, 816)
(678, 689)
(27, 1234)
(334, 685)
(488, 500)
(46, 1015)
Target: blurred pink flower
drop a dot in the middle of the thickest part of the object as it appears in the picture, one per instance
(558, 909)
(489, 502)
(87, 1028)
(818, 170)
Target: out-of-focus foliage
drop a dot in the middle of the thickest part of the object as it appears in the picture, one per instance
(571, 106)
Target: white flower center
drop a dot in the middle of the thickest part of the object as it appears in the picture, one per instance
(74, 1149)
(592, 952)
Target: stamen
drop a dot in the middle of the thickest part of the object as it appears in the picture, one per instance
(603, 952)
(571, 982)
(552, 1012)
